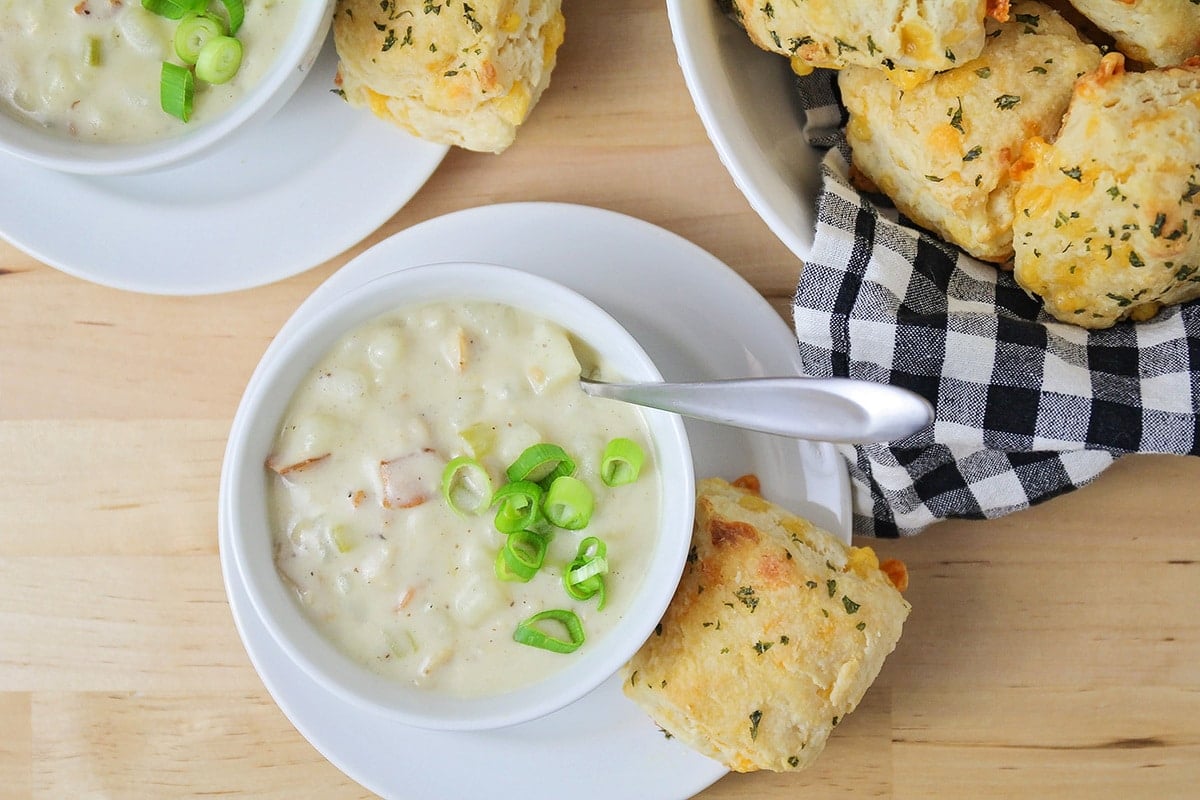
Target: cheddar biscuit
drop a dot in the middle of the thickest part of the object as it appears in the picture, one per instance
(1161, 33)
(908, 38)
(775, 633)
(1108, 215)
(465, 74)
(942, 150)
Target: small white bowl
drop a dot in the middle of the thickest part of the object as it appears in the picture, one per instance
(746, 100)
(245, 505)
(278, 84)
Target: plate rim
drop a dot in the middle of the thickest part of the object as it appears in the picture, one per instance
(46, 241)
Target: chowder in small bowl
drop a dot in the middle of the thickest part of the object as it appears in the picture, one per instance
(432, 517)
(99, 86)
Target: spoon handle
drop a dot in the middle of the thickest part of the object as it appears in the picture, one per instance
(821, 409)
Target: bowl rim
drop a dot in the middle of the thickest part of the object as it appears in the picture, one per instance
(270, 390)
(290, 66)
(779, 179)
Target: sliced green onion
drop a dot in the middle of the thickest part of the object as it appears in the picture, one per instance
(237, 14)
(503, 572)
(591, 568)
(174, 9)
(521, 557)
(621, 462)
(541, 463)
(569, 503)
(466, 486)
(177, 90)
(528, 632)
(219, 59)
(401, 645)
(520, 503)
(586, 590)
(342, 538)
(92, 54)
(591, 547)
(584, 577)
(479, 437)
(195, 31)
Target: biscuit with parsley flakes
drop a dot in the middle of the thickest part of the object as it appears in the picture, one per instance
(453, 72)
(775, 633)
(1161, 33)
(942, 150)
(1108, 215)
(908, 39)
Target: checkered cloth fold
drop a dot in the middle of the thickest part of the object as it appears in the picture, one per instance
(1027, 408)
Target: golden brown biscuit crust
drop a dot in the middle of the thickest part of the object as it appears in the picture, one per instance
(449, 71)
(1108, 216)
(776, 631)
(942, 150)
(1161, 33)
(895, 35)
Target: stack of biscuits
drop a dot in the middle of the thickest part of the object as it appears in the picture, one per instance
(1061, 140)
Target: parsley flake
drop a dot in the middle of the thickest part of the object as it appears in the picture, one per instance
(746, 595)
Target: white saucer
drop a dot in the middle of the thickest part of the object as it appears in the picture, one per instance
(281, 198)
(698, 319)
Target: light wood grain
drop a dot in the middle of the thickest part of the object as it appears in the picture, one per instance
(1052, 653)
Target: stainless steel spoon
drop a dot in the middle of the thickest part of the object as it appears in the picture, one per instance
(821, 409)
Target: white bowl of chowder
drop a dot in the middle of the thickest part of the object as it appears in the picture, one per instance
(369, 540)
(83, 82)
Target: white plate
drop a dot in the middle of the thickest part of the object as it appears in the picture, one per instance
(280, 198)
(698, 319)
(745, 98)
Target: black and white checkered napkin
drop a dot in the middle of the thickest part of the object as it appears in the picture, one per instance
(1027, 408)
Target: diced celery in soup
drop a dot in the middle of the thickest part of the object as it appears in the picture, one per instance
(90, 69)
(378, 560)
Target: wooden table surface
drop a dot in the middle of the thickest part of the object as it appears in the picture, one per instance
(1052, 653)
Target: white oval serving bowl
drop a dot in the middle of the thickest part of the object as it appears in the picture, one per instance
(291, 66)
(746, 100)
(245, 504)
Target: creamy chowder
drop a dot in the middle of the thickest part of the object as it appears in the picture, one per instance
(379, 561)
(90, 69)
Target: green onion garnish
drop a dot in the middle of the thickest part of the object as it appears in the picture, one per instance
(584, 577)
(568, 503)
(195, 31)
(466, 486)
(520, 503)
(237, 14)
(521, 557)
(541, 463)
(219, 59)
(174, 9)
(503, 572)
(177, 88)
(621, 462)
(528, 632)
(200, 40)
(92, 54)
